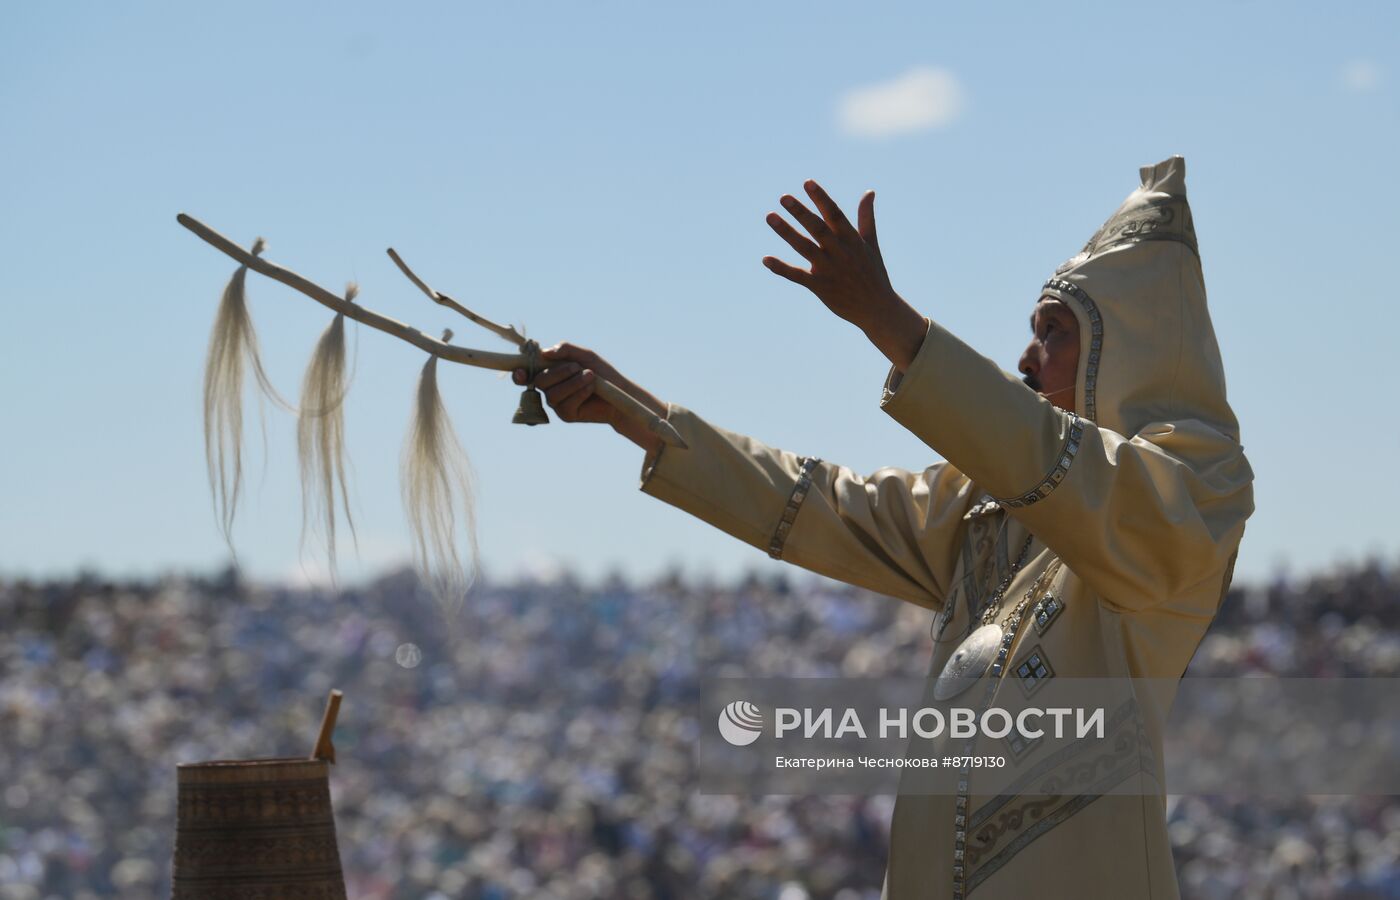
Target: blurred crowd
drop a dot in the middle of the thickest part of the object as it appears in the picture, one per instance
(533, 745)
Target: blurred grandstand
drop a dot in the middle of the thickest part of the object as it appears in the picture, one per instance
(538, 753)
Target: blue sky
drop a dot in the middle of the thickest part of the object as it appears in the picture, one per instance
(600, 173)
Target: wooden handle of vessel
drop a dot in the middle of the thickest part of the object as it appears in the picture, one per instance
(324, 748)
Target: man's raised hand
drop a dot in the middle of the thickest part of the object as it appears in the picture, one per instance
(847, 271)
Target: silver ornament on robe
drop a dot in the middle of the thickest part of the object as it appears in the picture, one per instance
(969, 662)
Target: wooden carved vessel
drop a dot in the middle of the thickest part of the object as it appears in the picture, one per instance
(259, 829)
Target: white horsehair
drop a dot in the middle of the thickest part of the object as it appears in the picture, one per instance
(321, 437)
(233, 348)
(436, 480)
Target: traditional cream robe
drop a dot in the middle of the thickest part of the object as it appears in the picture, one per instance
(1143, 497)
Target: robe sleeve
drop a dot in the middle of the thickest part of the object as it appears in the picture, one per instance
(894, 532)
(1141, 520)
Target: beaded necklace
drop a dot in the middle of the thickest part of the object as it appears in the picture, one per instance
(989, 641)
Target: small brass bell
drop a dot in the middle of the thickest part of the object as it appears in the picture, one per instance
(531, 409)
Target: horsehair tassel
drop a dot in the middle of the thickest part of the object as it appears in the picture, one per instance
(233, 345)
(436, 480)
(321, 435)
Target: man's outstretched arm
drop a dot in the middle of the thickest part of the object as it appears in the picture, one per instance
(893, 532)
(1142, 518)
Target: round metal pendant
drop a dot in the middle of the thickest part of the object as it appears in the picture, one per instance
(968, 662)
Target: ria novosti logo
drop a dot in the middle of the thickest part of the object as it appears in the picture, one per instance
(740, 723)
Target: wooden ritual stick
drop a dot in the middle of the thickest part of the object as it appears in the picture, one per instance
(630, 406)
(442, 299)
(324, 749)
(610, 392)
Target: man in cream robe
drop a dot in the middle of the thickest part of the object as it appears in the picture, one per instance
(1137, 492)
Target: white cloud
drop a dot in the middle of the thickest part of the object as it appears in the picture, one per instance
(1361, 75)
(922, 98)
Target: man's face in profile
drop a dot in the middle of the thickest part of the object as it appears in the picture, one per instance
(1052, 358)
